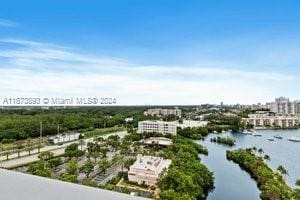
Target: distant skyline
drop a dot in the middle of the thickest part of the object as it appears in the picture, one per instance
(151, 52)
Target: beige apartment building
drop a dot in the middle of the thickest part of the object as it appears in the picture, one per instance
(155, 126)
(146, 169)
(266, 120)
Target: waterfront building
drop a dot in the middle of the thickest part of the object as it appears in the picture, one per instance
(163, 112)
(267, 120)
(146, 169)
(154, 126)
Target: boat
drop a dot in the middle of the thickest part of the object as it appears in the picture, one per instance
(247, 132)
(277, 137)
(256, 134)
(270, 139)
(294, 139)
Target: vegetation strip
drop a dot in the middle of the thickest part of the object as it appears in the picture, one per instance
(187, 177)
(271, 183)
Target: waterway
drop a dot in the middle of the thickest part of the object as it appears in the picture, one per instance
(233, 183)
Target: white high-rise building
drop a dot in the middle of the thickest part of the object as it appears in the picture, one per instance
(157, 127)
(283, 105)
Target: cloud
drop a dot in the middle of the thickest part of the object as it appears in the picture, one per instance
(7, 23)
(42, 69)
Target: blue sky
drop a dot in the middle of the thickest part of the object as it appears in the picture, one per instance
(151, 52)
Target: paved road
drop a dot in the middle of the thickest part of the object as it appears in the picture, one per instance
(56, 149)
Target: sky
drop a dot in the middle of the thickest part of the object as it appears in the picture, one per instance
(151, 52)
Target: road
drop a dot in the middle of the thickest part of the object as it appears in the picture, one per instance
(56, 149)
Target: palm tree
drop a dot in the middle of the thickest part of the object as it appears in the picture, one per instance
(29, 146)
(260, 151)
(283, 171)
(120, 159)
(104, 165)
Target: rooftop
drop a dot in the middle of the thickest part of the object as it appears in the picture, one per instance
(16, 186)
(150, 163)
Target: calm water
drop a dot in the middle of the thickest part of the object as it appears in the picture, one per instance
(233, 183)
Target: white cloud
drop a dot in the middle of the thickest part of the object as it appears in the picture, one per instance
(7, 23)
(39, 69)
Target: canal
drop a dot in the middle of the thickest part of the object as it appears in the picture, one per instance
(233, 183)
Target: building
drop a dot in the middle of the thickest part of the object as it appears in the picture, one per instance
(162, 141)
(62, 138)
(19, 186)
(153, 126)
(192, 124)
(128, 119)
(283, 105)
(267, 120)
(146, 169)
(163, 112)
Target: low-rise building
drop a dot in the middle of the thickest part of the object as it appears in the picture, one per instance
(154, 126)
(157, 140)
(62, 138)
(192, 124)
(128, 119)
(163, 112)
(146, 169)
(267, 120)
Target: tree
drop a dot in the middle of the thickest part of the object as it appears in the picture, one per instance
(128, 163)
(19, 147)
(267, 157)
(104, 165)
(87, 168)
(29, 146)
(282, 170)
(7, 153)
(298, 182)
(260, 151)
(72, 167)
(46, 155)
(55, 162)
(89, 182)
(69, 178)
(120, 159)
(73, 151)
(39, 168)
(94, 155)
(172, 195)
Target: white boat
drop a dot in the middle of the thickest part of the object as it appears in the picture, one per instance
(247, 132)
(294, 139)
(277, 137)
